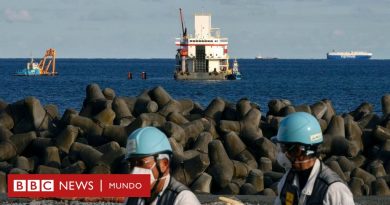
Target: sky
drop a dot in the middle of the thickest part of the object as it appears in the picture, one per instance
(291, 29)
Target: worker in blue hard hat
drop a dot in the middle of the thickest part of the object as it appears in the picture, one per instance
(307, 179)
(148, 152)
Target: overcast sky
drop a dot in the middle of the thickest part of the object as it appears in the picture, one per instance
(148, 28)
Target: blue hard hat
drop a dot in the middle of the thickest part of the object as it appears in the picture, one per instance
(299, 127)
(147, 141)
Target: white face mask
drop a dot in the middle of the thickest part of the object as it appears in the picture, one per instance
(283, 161)
(139, 170)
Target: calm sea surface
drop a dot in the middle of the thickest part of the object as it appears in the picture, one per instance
(346, 83)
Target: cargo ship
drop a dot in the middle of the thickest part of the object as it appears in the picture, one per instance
(259, 57)
(203, 56)
(358, 55)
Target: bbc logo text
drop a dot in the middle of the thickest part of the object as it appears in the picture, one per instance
(33, 185)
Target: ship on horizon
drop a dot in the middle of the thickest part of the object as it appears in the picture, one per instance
(260, 57)
(353, 55)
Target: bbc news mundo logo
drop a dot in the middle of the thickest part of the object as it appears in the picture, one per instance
(78, 185)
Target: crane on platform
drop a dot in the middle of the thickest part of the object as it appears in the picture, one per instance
(50, 55)
(183, 28)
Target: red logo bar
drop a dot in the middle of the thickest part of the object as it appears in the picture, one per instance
(78, 185)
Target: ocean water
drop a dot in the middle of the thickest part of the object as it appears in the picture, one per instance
(346, 83)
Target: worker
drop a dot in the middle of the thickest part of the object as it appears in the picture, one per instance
(307, 179)
(148, 152)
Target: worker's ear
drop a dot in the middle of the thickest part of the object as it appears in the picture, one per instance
(164, 164)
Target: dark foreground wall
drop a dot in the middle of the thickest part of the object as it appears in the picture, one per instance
(223, 149)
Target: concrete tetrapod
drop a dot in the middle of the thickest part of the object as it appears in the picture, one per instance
(381, 133)
(276, 105)
(248, 189)
(105, 117)
(120, 133)
(221, 167)
(356, 186)
(243, 106)
(167, 104)
(6, 119)
(380, 187)
(17, 171)
(75, 168)
(109, 93)
(107, 161)
(362, 111)
(42, 169)
(353, 134)
(287, 110)
(265, 164)
(123, 116)
(256, 178)
(376, 168)
(303, 108)
(66, 138)
(345, 164)
(334, 165)
(177, 118)
(108, 147)
(319, 109)
(236, 149)
(3, 183)
(265, 148)
(385, 101)
(52, 157)
(334, 138)
(15, 145)
(214, 110)
(22, 162)
(330, 112)
(247, 128)
(367, 177)
(193, 129)
(5, 134)
(94, 101)
(190, 164)
(202, 184)
(89, 155)
(144, 105)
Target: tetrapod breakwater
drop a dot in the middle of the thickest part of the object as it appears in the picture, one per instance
(221, 149)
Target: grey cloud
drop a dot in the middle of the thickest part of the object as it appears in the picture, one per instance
(22, 15)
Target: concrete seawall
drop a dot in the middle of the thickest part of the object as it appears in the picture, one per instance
(223, 149)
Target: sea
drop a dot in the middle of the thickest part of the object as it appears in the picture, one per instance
(346, 83)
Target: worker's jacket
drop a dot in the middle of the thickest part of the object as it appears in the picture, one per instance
(322, 187)
(174, 193)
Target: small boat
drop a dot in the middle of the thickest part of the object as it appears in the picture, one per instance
(31, 69)
(236, 75)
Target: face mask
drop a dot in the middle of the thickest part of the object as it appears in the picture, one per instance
(283, 161)
(139, 170)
